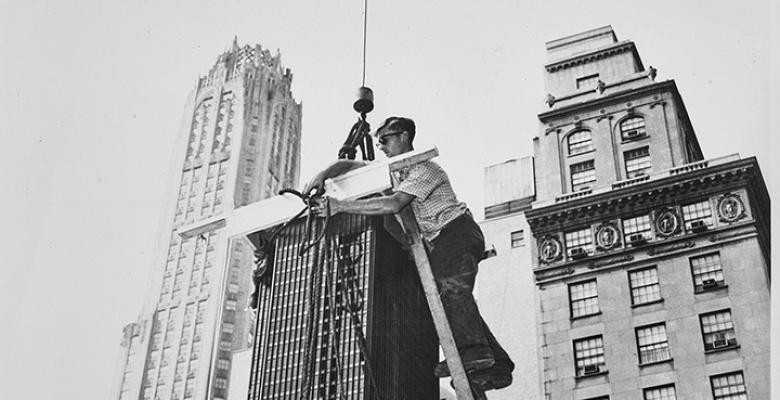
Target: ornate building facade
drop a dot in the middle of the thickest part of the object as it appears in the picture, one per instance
(651, 262)
(241, 144)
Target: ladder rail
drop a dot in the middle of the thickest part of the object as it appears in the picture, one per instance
(459, 378)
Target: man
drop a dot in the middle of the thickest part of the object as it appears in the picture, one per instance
(455, 243)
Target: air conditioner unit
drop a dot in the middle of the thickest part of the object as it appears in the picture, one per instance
(709, 284)
(633, 134)
(637, 239)
(578, 253)
(698, 226)
(590, 370)
(720, 343)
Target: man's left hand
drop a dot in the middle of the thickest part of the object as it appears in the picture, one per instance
(323, 206)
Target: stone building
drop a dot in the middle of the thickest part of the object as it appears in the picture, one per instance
(241, 143)
(651, 262)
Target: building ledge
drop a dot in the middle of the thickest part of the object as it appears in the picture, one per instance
(581, 96)
(649, 303)
(583, 377)
(647, 364)
(671, 172)
(719, 287)
(580, 317)
(722, 349)
(596, 54)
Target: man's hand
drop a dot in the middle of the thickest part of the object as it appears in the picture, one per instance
(316, 184)
(324, 206)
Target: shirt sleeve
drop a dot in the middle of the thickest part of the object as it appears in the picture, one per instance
(423, 178)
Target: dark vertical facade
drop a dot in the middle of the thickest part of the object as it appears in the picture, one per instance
(351, 301)
(651, 262)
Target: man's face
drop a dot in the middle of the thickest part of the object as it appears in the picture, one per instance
(393, 142)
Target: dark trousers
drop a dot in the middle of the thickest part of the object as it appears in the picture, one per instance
(454, 257)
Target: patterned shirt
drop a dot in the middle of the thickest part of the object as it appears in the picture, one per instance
(435, 203)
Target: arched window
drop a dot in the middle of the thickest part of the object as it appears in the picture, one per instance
(633, 128)
(580, 142)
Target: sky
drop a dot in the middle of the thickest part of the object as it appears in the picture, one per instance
(92, 95)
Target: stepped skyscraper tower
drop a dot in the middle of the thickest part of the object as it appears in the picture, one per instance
(241, 144)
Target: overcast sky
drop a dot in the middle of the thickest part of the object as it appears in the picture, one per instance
(93, 94)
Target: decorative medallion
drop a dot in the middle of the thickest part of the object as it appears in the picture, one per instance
(550, 249)
(667, 222)
(607, 236)
(730, 208)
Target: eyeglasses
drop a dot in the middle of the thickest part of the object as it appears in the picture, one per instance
(382, 140)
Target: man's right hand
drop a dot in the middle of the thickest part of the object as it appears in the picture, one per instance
(316, 185)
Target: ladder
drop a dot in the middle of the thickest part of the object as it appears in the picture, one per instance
(463, 389)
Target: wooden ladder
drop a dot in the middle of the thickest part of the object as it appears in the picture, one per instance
(463, 388)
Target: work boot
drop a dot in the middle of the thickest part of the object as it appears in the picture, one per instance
(497, 377)
(491, 378)
(443, 371)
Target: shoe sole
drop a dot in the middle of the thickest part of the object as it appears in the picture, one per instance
(469, 367)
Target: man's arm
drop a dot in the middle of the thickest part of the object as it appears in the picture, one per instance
(381, 205)
(338, 168)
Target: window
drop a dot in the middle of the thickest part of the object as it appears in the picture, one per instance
(637, 162)
(729, 386)
(587, 82)
(632, 128)
(582, 175)
(718, 330)
(517, 238)
(652, 344)
(583, 298)
(644, 286)
(637, 225)
(589, 355)
(697, 212)
(707, 272)
(580, 142)
(660, 393)
(581, 239)
(223, 364)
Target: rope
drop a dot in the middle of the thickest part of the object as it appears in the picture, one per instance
(353, 298)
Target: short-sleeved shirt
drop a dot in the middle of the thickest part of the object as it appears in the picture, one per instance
(435, 203)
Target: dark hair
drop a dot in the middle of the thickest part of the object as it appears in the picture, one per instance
(400, 124)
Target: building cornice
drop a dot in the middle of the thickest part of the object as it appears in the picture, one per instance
(628, 93)
(603, 52)
(645, 192)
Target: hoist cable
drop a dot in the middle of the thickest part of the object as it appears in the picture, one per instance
(365, 25)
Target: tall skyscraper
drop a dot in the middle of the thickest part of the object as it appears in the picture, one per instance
(242, 144)
(651, 262)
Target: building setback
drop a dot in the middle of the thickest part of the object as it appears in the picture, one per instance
(241, 144)
(505, 289)
(651, 262)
